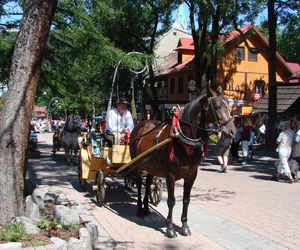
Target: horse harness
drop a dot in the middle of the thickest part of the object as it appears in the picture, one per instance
(198, 142)
(176, 133)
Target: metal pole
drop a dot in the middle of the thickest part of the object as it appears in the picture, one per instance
(115, 74)
(112, 87)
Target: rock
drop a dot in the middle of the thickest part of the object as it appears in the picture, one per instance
(29, 225)
(32, 210)
(85, 236)
(11, 246)
(62, 199)
(75, 244)
(59, 243)
(93, 230)
(50, 197)
(38, 196)
(66, 216)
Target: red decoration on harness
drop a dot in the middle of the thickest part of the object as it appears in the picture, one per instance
(125, 139)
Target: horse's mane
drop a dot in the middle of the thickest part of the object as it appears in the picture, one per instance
(192, 110)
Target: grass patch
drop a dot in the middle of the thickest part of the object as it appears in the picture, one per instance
(14, 232)
(39, 244)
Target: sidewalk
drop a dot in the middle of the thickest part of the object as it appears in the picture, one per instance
(242, 209)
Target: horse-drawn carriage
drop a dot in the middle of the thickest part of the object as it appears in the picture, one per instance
(99, 159)
(171, 149)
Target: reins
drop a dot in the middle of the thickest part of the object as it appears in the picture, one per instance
(148, 132)
(198, 142)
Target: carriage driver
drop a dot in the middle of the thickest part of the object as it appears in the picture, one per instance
(119, 120)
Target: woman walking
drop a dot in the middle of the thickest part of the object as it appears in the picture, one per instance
(284, 141)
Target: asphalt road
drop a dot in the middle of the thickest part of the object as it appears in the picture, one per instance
(243, 209)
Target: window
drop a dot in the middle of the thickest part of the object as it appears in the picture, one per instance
(180, 85)
(252, 56)
(240, 53)
(172, 86)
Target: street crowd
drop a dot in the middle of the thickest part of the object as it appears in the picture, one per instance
(247, 133)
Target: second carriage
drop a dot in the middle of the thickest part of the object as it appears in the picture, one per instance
(99, 160)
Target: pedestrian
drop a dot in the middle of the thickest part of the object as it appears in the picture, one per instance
(234, 149)
(251, 143)
(284, 149)
(261, 133)
(222, 150)
(296, 145)
(119, 121)
(245, 138)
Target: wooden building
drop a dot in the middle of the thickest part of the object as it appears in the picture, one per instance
(288, 101)
(242, 74)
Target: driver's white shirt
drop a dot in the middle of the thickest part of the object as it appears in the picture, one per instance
(115, 122)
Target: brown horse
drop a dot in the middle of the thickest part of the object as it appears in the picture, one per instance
(180, 157)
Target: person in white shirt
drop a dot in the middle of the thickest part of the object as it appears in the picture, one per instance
(119, 121)
(284, 141)
(296, 145)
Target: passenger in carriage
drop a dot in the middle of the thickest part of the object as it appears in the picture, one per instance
(119, 121)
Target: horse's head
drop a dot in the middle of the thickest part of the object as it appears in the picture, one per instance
(73, 123)
(218, 113)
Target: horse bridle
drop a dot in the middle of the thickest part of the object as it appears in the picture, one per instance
(217, 126)
(216, 123)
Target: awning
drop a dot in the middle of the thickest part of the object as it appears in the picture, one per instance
(287, 95)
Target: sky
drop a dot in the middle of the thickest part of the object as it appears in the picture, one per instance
(12, 8)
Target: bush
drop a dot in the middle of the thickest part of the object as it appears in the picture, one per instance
(14, 232)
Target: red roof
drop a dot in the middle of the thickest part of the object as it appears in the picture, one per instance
(188, 43)
(233, 34)
(188, 64)
(295, 67)
(185, 43)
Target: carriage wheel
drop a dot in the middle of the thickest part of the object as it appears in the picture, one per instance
(156, 189)
(82, 181)
(100, 193)
(129, 181)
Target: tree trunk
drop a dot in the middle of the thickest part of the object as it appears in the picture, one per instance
(17, 112)
(272, 87)
(200, 45)
(214, 47)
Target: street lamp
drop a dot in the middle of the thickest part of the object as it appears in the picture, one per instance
(55, 100)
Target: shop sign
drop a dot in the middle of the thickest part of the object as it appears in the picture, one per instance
(246, 110)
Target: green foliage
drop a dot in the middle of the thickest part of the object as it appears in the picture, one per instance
(14, 232)
(289, 42)
(7, 40)
(39, 244)
(53, 224)
(88, 39)
(49, 224)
